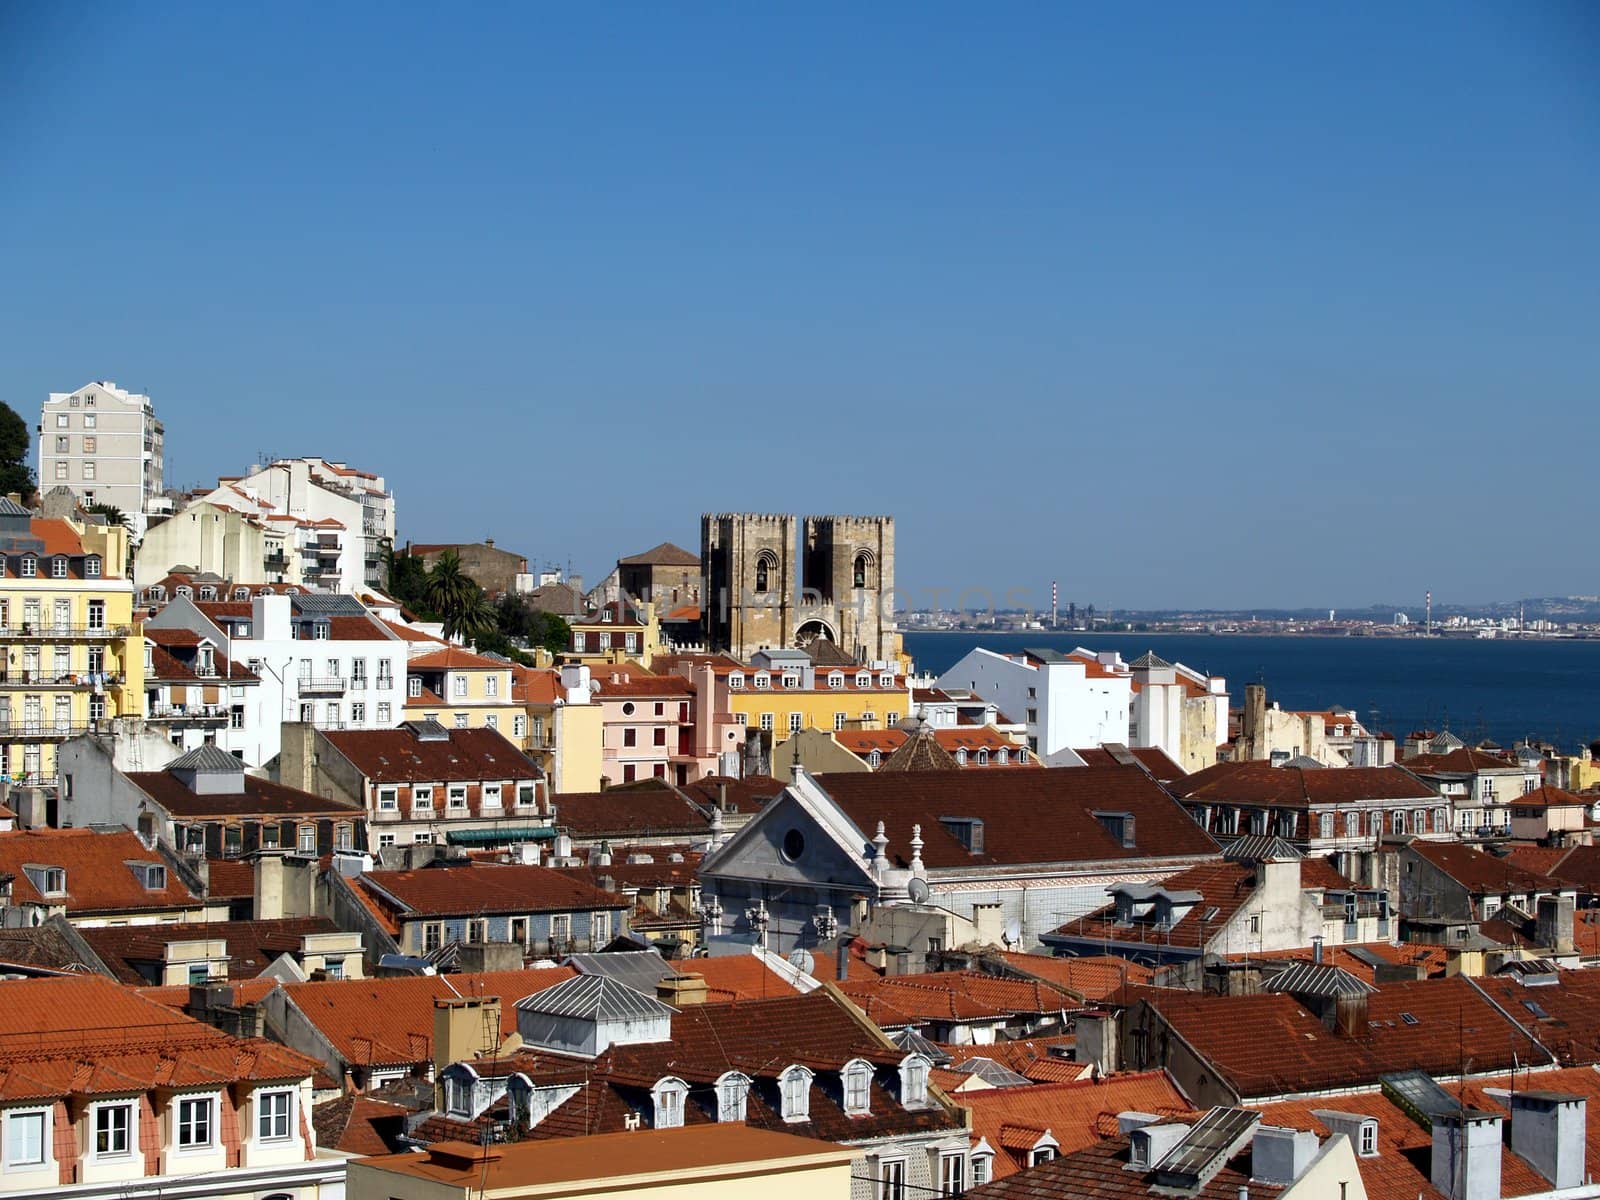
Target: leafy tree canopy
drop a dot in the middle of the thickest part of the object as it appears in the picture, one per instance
(16, 446)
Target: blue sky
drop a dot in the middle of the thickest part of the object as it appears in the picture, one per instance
(1265, 304)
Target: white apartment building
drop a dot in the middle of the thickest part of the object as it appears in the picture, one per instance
(106, 445)
(1063, 701)
(307, 521)
(321, 659)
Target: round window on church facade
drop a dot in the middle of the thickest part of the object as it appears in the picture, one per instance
(794, 844)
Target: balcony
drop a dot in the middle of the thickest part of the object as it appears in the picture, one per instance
(276, 562)
(27, 632)
(323, 685)
(188, 714)
(43, 731)
(77, 680)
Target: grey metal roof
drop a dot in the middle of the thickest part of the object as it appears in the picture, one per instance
(1318, 979)
(639, 969)
(594, 998)
(1305, 762)
(10, 508)
(1417, 1092)
(1260, 847)
(912, 1042)
(993, 1073)
(1046, 655)
(1210, 1142)
(327, 604)
(207, 759)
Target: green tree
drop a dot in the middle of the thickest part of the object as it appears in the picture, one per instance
(16, 446)
(471, 617)
(407, 580)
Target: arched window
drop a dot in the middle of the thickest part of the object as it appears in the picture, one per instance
(794, 1094)
(863, 561)
(983, 758)
(733, 1090)
(668, 1096)
(914, 1081)
(765, 562)
(1397, 821)
(961, 758)
(875, 759)
(1002, 756)
(857, 1080)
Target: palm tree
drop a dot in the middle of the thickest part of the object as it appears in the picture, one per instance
(459, 601)
(476, 618)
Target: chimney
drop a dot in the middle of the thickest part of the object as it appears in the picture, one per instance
(679, 990)
(1097, 1041)
(1280, 1155)
(464, 1027)
(1350, 1015)
(1466, 1155)
(1255, 719)
(842, 960)
(297, 756)
(1555, 924)
(1549, 1131)
(1316, 949)
(269, 886)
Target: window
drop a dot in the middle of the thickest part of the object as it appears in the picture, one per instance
(414, 687)
(385, 840)
(272, 1115)
(982, 1168)
(491, 685)
(88, 469)
(388, 799)
(358, 713)
(63, 444)
(457, 796)
(735, 681)
(88, 448)
(1369, 1139)
(307, 839)
(660, 738)
(668, 1096)
(383, 712)
(194, 1122)
(97, 614)
(491, 722)
(857, 1088)
(914, 1081)
(600, 927)
(63, 421)
(61, 468)
(112, 1123)
(457, 1096)
(840, 720)
(1325, 825)
(461, 720)
(89, 419)
(30, 566)
(491, 795)
(763, 681)
(1041, 1154)
(794, 1093)
(952, 1175)
(892, 1179)
(630, 737)
(458, 686)
(422, 797)
(605, 641)
(794, 722)
(733, 1091)
(524, 795)
(766, 720)
(432, 933)
(836, 679)
(519, 726)
(25, 1139)
(863, 679)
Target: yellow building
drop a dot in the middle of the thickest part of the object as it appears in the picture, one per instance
(616, 632)
(784, 691)
(724, 1161)
(74, 658)
(463, 690)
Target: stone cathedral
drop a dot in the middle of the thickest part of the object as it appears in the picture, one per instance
(766, 589)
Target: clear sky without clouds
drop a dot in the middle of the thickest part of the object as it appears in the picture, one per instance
(1201, 304)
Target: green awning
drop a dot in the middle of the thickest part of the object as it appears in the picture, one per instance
(517, 833)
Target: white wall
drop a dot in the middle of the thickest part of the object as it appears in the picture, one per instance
(1073, 709)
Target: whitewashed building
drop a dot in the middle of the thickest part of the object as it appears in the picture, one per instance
(106, 445)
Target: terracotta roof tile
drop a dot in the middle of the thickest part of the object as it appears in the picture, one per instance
(399, 756)
(98, 877)
(1297, 787)
(485, 888)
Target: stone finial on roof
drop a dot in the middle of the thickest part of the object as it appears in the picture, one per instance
(880, 852)
(917, 869)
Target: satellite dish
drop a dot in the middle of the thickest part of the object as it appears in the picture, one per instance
(1013, 933)
(801, 960)
(918, 890)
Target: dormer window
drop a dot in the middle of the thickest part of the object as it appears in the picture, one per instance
(1001, 756)
(733, 1093)
(185, 591)
(857, 1079)
(158, 592)
(458, 1082)
(320, 631)
(91, 567)
(47, 881)
(736, 681)
(152, 875)
(1022, 754)
(983, 758)
(208, 661)
(863, 679)
(149, 658)
(875, 759)
(208, 593)
(668, 1096)
(836, 679)
(763, 680)
(1368, 1147)
(914, 1081)
(605, 616)
(886, 680)
(961, 758)
(30, 566)
(794, 1093)
(241, 593)
(1044, 1150)
(791, 680)
(58, 567)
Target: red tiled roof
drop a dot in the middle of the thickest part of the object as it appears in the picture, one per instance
(1102, 1172)
(1091, 976)
(384, 1022)
(259, 797)
(98, 878)
(619, 684)
(1580, 867)
(59, 538)
(1570, 1028)
(1269, 1045)
(406, 634)
(230, 878)
(252, 945)
(87, 1036)
(1400, 1169)
(1465, 761)
(359, 1125)
(954, 995)
(648, 810)
(1551, 797)
(454, 658)
(1029, 816)
(1076, 1114)
(1155, 760)
(484, 888)
(535, 685)
(1260, 783)
(399, 756)
(746, 795)
(1479, 872)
